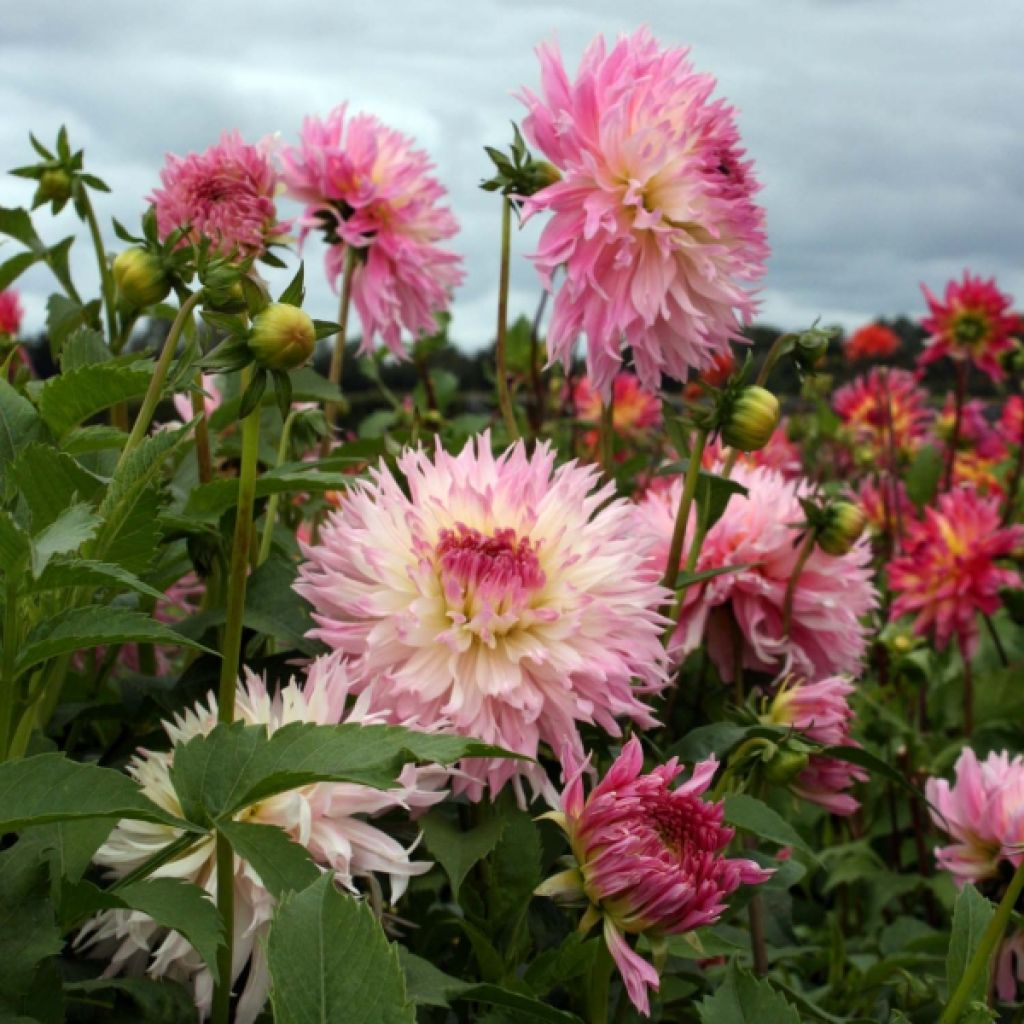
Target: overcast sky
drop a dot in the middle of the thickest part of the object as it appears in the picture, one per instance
(887, 133)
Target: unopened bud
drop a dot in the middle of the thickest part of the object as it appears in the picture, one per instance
(752, 419)
(54, 187)
(811, 348)
(785, 766)
(845, 524)
(140, 278)
(283, 337)
(539, 174)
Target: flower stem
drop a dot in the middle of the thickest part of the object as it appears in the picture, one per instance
(980, 962)
(968, 692)
(334, 372)
(997, 641)
(794, 579)
(202, 434)
(536, 380)
(226, 908)
(501, 371)
(156, 383)
(675, 550)
(606, 436)
(959, 394)
(599, 984)
(106, 277)
(9, 693)
(275, 499)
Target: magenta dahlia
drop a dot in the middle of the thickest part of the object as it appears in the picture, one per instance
(10, 313)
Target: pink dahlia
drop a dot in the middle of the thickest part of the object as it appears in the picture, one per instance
(505, 596)
(971, 322)
(634, 410)
(369, 189)
(329, 819)
(653, 221)
(886, 504)
(883, 402)
(983, 811)
(744, 610)
(1011, 421)
(975, 432)
(872, 341)
(225, 194)
(821, 711)
(10, 313)
(649, 858)
(947, 572)
(1010, 966)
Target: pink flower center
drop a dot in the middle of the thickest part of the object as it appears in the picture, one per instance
(686, 827)
(474, 567)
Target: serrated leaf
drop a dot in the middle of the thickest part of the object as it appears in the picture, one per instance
(66, 534)
(50, 481)
(20, 425)
(68, 399)
(216, 497)
(155, 1001)
(744, 999)
(330, 961)
(971, 915)
(458, 850)
(84, 347)
(69, 845)
(283, 865)
(64, 315)
(84, 572)
(755, 816)
(95, 438)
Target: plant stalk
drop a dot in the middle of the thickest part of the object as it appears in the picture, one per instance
(501, 369)
(334, 373)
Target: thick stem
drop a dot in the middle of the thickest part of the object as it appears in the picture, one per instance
(226, 951)
(958, 407)
(9, 679)
(755, 914)
(980, 963)
(501, 370)
(338, 352)
(536, 380)
(606, 436)
(599, 984)
(997, 641)
(423, 370)
(156, 383)
(794, 580)
(275, 499)
(106, 277)
(204, 461)
(675, 550)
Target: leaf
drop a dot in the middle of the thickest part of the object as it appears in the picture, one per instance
(718, 738)
(526, 1007)
(294, 292)
(65, 534)
(458, 850)
(863, 758)
(513, 872)
(283, 865)
(17, 223)
(971, 915)
(76, 395)
(15, 544)
(69, 845)
(685, 579)
(50, 481)
(755, 816)
(216, 497)
(95, 626)
(155, 1001)
(20, 424)
(233, 766)
(51, 787)
(84, 347)
(426, 984)
(922, 476)
(82, 572)
(64, 315)
(712, 497)
(330, 961)
(12, 269)
(95, 438)
(744, 999)
(310, 386)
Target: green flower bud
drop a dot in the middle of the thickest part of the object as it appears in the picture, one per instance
(785, 766)
(846, 522)
(539, 174)
(140, 278)
(54, 187)
(283, 337)
(752, 419)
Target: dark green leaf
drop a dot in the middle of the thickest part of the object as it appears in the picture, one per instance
(922, 477)
(744, 999)
(69, 845)
(295, 292)
(218, 496)
(755, 816)
(82, 572)
(718, 738)
(20, 424)
(253, 394)
(12, 269)
(685, 579)
(458, 850)
(971, 916)
(68, 399)
(50, 481)
(17, 223)
(283, 865)
(84, 347)
(154, 1001)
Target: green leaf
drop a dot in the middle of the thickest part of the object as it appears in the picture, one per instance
(84, 347)
(526, 1008)
(20, 424)
(82, 572)
(294, 293)
(17, 223)
(310, 386)
(283, 865)
(922, 476)
(513, 874)
(95, 438)
(69, 845)
(50, 481)
(458, 850)
(330, 961)
(685, 579)
(15, 544)
(64, 315)
(67, 533)
(154, 1001)
(50, 787)
(233, 766)
(744, 999)
(76, 395)
(718, 738)
(425, 984)
(216, 497)
(971, 915)
(755, 816)
(872, 763)
(94, 626)
(12, 269)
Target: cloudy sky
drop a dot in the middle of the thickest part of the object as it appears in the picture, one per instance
(887, 133)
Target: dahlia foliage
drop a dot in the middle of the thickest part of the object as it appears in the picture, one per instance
(680, 681)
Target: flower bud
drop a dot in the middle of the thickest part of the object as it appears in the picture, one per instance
(846, 522)
(283, 337)
(752, 419)
(54, 187)
(785, 766)
(539, 174)
(140, 278)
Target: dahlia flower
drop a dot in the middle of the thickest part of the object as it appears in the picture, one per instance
(634, 411)
(367, 187)
(983, 811)
(947, 572)
(879, 401)
(971, 322)
(504, 595)
(649, 859)
(886, 504)
(653, 221)
(225, 194)
(872, 341)
(744, 610)
(1011, 421)
(780, 454)
(820, 711)
(327, 818)
(1010, 966)
(975, 433)
(10, 313)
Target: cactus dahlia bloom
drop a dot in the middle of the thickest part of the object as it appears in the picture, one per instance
(634, 411)
(947, 572)
(367, 188)
(872, 341)
(10, 313)
(504, 595)
(744, 610)
(649, 859)
(983, 811)
(653, 221)
(886, 504)
(880, 400)
(971, 322)
(225, 194)
(327, 818)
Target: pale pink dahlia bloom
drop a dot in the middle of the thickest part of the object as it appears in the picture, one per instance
(653, 220)
(506, 595)
(983, 811)
(948, 573)
(370, 190)
(225, 194)
(649, 858)
(329, 819)
(10, 313)
(759, 530)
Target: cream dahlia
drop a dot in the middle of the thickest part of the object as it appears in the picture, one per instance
(504, 594)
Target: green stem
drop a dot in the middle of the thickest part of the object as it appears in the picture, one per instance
(106, 277)
(501, 370)
(177, 847)
(598, 985)
(787, 608)
(226, 951)
(204, 460)
(606, 436)
(997, 641)
(334, 372)
(10, 653)
(980, 962)
(157, 381)
(275, 499)
(959, 394)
